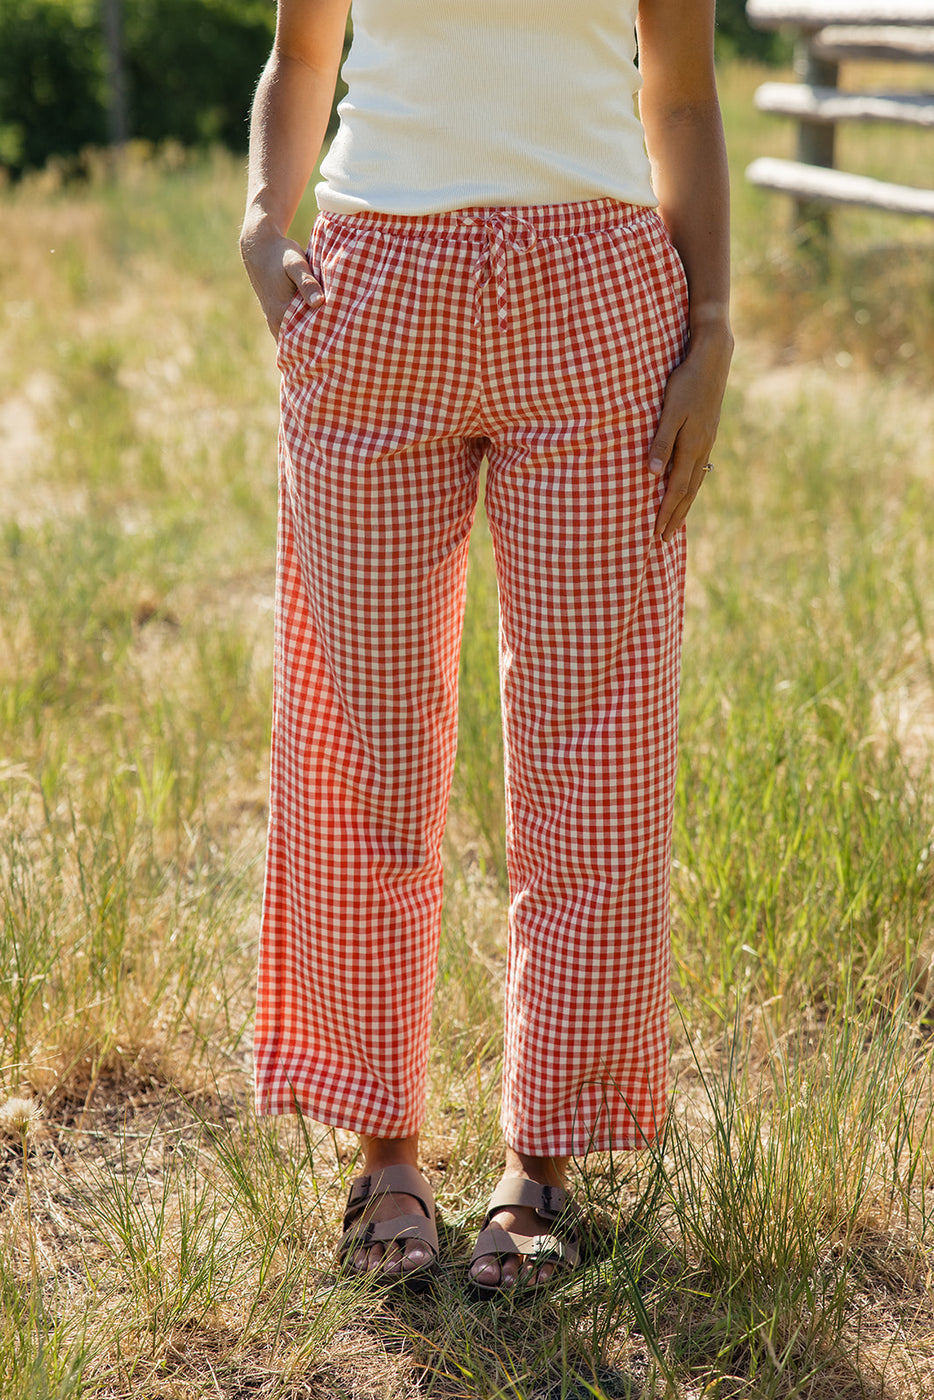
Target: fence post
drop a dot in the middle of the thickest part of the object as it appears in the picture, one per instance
(815, 142)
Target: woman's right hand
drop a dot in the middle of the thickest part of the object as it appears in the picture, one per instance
(277, 269)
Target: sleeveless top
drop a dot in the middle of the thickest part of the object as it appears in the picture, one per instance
(456, 103)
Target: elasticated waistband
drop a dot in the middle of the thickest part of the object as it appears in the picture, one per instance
(543, 220)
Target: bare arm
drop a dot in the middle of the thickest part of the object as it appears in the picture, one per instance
(684, 137)
(289, 122)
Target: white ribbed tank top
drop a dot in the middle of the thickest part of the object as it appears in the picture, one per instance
(453, 103)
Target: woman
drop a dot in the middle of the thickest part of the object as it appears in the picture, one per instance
(489, 277)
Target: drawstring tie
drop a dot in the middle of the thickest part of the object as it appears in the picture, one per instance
(502, 233)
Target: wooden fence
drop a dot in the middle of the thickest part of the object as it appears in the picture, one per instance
(829, 32)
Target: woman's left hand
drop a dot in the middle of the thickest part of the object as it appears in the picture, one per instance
(687, 428)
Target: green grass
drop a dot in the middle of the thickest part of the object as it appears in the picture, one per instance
(160, 1241)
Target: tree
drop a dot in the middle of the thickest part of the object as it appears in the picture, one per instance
(51, 80)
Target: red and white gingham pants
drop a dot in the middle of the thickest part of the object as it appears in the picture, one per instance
(541, 338)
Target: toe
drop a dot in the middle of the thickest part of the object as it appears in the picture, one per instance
(376, 1258)
(391, 1261)
(486, 1271)
(536, 1273)
(417, 1256)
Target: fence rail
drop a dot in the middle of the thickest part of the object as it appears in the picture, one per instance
(831, 31)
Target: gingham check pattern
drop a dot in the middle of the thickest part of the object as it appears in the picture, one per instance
(541, 338)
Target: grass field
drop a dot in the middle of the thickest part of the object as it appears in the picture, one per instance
(160, 1241)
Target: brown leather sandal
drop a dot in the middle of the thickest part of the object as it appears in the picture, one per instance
(359, 1234)
(560, 1245)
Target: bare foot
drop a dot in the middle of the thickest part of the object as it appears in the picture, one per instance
(506, 1270)
(407, 1256)
(392, 1259)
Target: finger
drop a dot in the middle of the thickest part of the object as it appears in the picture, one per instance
(666, 442)
(679, 514)
(684, 479)
(292, 275)
(663, 445)
(679, 497)
(311, 291)
(298, 270)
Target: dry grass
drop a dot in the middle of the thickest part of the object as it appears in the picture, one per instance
(158, 1240)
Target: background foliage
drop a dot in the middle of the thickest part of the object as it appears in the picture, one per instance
(52, 93)
(191, 68)
(737, 38)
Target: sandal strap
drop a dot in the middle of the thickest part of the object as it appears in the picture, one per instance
(390, 1180)
(401, 1180)
(541, 1249)
(401, 1227)
(551, 1204)
(548, 1202)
